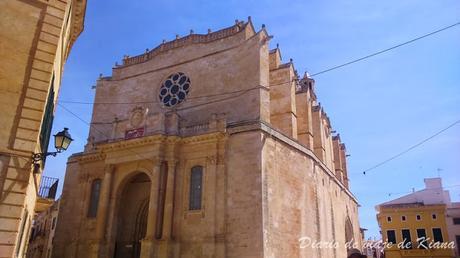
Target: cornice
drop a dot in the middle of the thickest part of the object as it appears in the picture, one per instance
(203, 137)
(78, 18)
(137, 142)
(417, 205)
(101, 149)
(86, 157)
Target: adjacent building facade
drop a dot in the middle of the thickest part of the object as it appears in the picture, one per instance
(419, 224)
(207, 146)
(453, 225)
(42, 234)
(35, 40)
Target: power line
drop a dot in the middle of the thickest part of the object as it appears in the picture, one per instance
(410, 148)
(280, 84)
(91, 125)
(101, 132)
(274, 85)
(364, 172)
(385, 50)
(196, 97)
(150, 102)
(247, 90)
(177, 109)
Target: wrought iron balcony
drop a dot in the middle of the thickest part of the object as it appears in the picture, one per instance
(48, 187)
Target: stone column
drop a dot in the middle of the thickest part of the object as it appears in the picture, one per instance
(220, 202)
(166, 248)
(169, 200)
(147, 245)
(103, 209)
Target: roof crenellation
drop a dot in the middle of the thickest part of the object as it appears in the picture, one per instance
(184, 41)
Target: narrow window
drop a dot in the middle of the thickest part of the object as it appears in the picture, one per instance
(407, 241)
(421, 236)
(437, 235)
(94, 198)
(456, 221)
(403, 218)
(196, 181)
(433, 216)
(418, 217)
(389, 219)
(54, 223)
(391, 236)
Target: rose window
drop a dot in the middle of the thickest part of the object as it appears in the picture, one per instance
(174, 89)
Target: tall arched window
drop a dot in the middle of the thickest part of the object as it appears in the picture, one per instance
(94, 198)
(196, 185)
(348, 230)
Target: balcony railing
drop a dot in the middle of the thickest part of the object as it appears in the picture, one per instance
(48, 187)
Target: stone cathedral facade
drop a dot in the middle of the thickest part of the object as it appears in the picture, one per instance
(207, 146)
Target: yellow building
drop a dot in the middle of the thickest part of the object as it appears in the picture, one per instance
(415, 225)
(35, 40)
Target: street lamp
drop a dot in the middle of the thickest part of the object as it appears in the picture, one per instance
(62, 141)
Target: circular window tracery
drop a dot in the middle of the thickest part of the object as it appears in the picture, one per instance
(174, 89)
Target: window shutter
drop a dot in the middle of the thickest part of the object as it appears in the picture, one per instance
(47, 122)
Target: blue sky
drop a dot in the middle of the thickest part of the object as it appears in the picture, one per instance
(380, 106)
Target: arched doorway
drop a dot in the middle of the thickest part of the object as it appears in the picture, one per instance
(132, 217)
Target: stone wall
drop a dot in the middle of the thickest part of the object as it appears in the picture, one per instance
(302, 198)
(244, 219)
(227, 76)
(36, 39)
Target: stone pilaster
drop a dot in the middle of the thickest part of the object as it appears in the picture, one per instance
(318, 134)
(166, 247)
(103, 210)
(304, 118)
(147, 245)
(220, 203)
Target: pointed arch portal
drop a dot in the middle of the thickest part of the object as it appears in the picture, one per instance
(132, 217)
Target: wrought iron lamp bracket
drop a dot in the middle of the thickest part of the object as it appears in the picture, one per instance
(37, 157)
